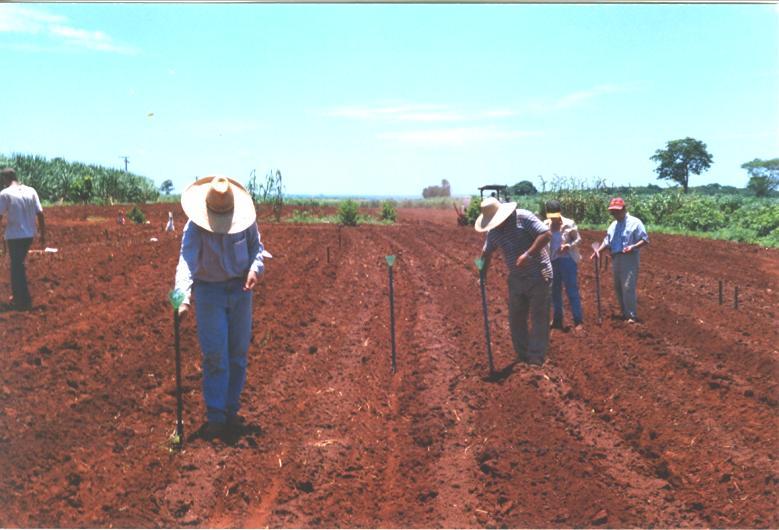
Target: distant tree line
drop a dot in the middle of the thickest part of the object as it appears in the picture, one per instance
(58, 180)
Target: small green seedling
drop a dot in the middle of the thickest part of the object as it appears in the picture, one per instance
(174, 442)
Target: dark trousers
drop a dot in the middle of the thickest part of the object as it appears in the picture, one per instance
(17, 251)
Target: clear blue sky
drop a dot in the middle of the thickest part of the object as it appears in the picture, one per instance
(387, 99)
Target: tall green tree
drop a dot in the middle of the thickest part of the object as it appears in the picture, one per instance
(680, 158)
(166, 187)
(763, 175)
(524, 187)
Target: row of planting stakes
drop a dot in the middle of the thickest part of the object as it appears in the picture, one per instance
(479, 265)
(390, 263)
(735, 294)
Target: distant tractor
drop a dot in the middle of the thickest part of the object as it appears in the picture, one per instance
(498, 191)
(493, 190)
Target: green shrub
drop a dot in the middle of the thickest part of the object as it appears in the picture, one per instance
(347, 213)
(136, 216)
(473, 210)
(762, 218)
(699, 213)
(388, 211)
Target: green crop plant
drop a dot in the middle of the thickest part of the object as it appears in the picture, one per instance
(348, 213)
(388, 211)
(136, 216)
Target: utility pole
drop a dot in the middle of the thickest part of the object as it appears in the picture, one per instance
(126, 161)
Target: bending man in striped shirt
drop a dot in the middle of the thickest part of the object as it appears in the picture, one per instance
(523, 238)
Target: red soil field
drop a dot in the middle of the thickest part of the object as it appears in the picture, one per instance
(672, 422)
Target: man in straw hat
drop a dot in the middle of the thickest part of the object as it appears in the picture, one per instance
(220, 263)
(523, 238)
(624, 237)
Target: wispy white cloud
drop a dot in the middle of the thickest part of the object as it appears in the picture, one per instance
(574, 99)
(38, 23)
(423, 113)
(404, 112)
(456, 135)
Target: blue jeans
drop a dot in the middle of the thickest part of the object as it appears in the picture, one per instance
(224, 327)
(565, 273)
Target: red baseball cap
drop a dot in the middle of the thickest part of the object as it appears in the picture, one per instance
(617, 203)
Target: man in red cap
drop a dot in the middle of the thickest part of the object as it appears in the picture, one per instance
(624, 237)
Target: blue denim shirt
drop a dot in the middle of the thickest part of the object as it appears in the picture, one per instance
(620, 234)
(211, 257)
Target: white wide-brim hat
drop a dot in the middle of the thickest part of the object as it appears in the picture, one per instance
(219, 204)
(493, 213)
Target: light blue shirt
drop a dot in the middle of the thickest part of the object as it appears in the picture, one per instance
(628, 231)
(211, 257)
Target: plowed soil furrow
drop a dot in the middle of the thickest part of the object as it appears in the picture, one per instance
(670, 423)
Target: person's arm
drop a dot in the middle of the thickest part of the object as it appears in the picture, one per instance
(539, 243)
(190, 244)
(574, 237)
(603, 244)
(542, 234)
(42, 227)
(257, 267)
(486, 254)
(641, 236)
(39, 214)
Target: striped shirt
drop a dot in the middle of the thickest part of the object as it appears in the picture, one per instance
(515, 239)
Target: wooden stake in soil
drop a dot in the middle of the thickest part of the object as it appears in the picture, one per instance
(480, 265)
(595, 247)
(390, 263)
(176, 297)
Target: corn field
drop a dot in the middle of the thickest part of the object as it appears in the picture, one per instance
(58, 180)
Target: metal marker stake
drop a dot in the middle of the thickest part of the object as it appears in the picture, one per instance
(595, 247)
(390, 263)
(720, 292)
(176, 297)
(735, 298)
(480, 265)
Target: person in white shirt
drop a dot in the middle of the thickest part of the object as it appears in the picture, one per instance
(21, 205)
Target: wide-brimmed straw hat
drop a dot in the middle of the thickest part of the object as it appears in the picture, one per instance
(219, 204)
(493, 213)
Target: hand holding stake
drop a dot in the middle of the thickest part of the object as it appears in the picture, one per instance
(480, 265)
(176, 297)
(390, 263)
